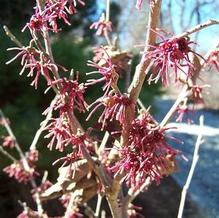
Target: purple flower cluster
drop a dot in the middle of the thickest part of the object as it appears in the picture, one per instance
(102, 27)
(148, 152)
(36, 62)
(114, 108)
(108, 73)
(71, 97)
(17, 170)
(213, 59)
(170, 56)
(54, 10)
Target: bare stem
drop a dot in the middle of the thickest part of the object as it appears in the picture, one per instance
(4, 152)
(172, 110)
(48, 46)
(25, 162)
(103, 142)
(197, 28)
(192, 169)
(70, 205)
(141, 104)
(106, 35)
(139, 76)
(107, 10)
(12, 36)
(43, 125)
(133, 193)
(135, 88)
(47, 41)
(98, 206)
(112, 200)
(11, 134)
(107, 18)
(138, 80)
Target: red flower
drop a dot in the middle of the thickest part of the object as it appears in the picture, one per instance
(196, 95)
(183, 113)
(213, 59)
(146, 155)
(38, 22)
(71, 96)
(61, 135)
(8, 141)
(46, 19)
(55, 11)
(171, 54)
(110, 76)
(32, 157)
(36, 62)
(102, 26)
(61, 129)
(114, 108)
(17, 171)
(59, 132)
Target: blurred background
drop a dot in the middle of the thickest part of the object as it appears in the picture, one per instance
(72, 48)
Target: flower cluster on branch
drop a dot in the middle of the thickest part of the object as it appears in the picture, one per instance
(148, 152)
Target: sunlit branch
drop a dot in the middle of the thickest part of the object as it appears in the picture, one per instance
(192, 169)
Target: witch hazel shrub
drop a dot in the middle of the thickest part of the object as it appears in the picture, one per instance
(134, 152)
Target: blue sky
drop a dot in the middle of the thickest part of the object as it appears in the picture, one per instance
(207, 37)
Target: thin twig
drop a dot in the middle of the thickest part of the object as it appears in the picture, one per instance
(45, 176)
(4, 152)
(12, 36)
(103, 142)
(192, 169)
(98, 206)
(172, 110)
(43, 125)
(107, 17)
(88, 211)
(107, 10)
(103, 214)
(133, 193)
(197, 28)
(70, 205)
(11, 134)
(24, 161)
(203, 62)
(112, 200)
(141, 104)
(139, 76)
(128, 76)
